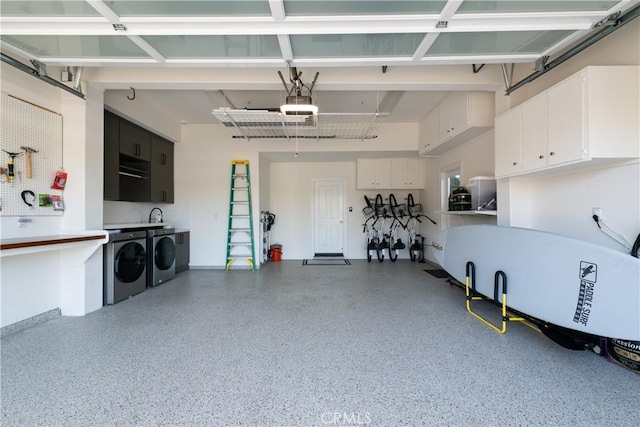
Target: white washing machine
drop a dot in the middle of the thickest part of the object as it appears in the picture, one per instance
(162, 255)
(125, 265)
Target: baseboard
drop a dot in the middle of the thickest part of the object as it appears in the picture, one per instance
(30, 322)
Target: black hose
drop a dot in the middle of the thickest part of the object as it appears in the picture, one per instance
(393, 204)
(636, 247)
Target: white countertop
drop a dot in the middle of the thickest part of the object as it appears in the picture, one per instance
(136, 225)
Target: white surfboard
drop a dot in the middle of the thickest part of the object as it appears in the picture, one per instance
(557, 279)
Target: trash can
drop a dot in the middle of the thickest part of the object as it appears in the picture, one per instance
(275, 253)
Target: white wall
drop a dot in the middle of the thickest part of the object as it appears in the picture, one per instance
(475, 158)
(143, 113)
(67, 279)
(27, 291)
(83, 154)
(563, 204)
(202, 181)
(203, 171)
(30, 89)
(292, 202)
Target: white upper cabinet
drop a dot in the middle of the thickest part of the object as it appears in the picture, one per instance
(407, 174)
(589, 118)
(374, 173)
(508, 156)
(454, 115)
(535, 133)
(390, 174)
(566, 114)
(459, 118)
(428, 132)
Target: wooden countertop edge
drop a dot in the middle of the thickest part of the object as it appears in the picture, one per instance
(30, 242)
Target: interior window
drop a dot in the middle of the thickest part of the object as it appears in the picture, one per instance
(450, 181)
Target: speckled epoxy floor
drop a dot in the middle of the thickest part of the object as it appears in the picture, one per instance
(379, 344)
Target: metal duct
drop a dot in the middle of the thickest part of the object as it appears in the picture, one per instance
(608, 29)
(33, 72)
(77, 79)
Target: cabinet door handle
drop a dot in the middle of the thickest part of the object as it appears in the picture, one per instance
(164, 159)
(541, 156)
(552, 153)
(164, 196)
(515, 163)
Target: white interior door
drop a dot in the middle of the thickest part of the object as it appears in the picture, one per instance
(328, 216)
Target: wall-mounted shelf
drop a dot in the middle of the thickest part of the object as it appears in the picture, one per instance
(489, 213)
(29, 245)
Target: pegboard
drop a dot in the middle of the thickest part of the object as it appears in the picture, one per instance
(25, 124)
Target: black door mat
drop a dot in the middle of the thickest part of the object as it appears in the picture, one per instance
(326, 262)
(439, 273)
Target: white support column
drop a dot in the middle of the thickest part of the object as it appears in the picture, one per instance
(81, 269)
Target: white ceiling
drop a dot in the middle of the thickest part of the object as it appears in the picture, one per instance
(264, 35)
(195, 106)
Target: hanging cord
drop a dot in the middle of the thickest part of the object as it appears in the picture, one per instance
(609, 232)
(636, 247)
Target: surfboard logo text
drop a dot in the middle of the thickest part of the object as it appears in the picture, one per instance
(588, 277)
(588, 271)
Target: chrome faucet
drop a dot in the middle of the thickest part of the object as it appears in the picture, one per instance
(151, 213)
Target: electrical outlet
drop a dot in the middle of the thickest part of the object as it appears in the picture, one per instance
(597, 212)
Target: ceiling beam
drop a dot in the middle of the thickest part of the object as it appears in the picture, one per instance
(450, 9)
(277, 10)
(278, 62)
(104, 10)
(150, 50)
(442, 78)
(296, 25)
(389, 101)
(424, 46)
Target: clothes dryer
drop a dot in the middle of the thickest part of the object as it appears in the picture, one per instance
(162, 255)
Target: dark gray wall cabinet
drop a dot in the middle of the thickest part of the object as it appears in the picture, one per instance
(138, 164)
(134, 141)
(111, 156)
(161, 170)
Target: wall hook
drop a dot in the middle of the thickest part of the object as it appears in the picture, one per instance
(131, 98)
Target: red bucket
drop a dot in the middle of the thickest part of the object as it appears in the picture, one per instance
(275, 253)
